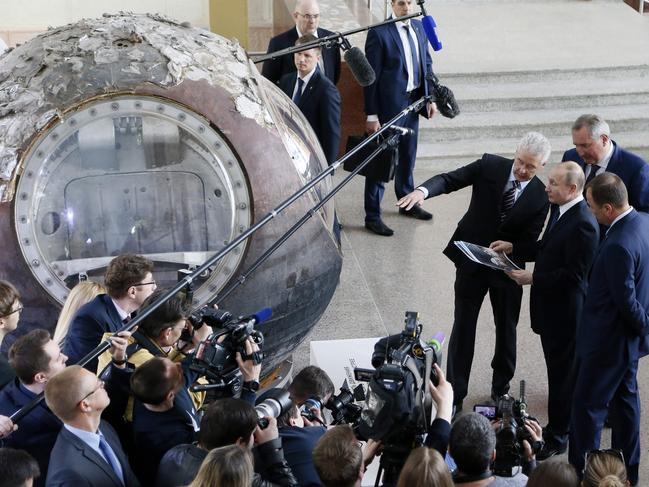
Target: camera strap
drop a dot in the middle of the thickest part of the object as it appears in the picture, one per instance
(465, 479)
(143, 341)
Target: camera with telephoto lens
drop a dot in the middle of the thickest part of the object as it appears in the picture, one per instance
(272, 404)
(511, 434)
(215, 357)
(398, 405)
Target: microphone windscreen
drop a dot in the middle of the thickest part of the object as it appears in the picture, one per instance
(262, 315)
(430, 27)
(359, 66)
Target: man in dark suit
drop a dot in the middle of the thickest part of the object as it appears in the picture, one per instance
(614, 329)
(399, 55)
(307, 17)
(316, 96)
(596, 153)
(508, 203)
(563, 259)
(87, 451)
(129, 281)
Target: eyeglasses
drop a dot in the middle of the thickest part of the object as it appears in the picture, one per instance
(309, 16)
(609, 451)
(100, 385)
(145, 284)
(17, 310)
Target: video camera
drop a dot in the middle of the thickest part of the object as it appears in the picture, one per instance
(398, 406)
(215, 357)
(511, 434)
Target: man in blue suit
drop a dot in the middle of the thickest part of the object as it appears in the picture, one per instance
(563, 259)
(129, 281)
(614, 329)
(596, 153)
(307, 17)
(316, 96)
(399, 55)
(87, 451)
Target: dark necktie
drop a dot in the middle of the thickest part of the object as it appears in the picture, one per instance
(111, 458)
(415, 60)
(593, 172)
(554, 218)
(509, 197)
(298, 92)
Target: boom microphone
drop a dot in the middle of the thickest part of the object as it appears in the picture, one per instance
(430, 27)
(402, 130)
(359, 66)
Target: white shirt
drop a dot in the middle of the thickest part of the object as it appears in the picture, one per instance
(407, 53)
(122, 314)
(566, 206)
(517, 193)
(619, 217)
(306, 80)
(603, 164)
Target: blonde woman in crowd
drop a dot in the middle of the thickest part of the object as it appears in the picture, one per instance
(425, 467)
(605, 468)
(228, 466)
(80, 294)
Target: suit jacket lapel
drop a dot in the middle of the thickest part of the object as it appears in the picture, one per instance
(92, 456)
(397, 40)
(614, 162)
(112, 312)
(309, 88)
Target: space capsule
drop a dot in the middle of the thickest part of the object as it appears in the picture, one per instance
(133, 133)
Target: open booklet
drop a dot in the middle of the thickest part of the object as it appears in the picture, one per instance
(486, 256)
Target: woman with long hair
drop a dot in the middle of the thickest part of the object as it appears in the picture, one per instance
(425, 467)
(80, 294)
(228, 466)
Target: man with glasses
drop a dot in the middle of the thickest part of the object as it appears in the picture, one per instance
(307, 17)
(10, 308)
(36, 358)
(129, 281)
(87, 450)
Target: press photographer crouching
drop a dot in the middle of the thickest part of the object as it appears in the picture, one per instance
(473, 447)
(232, 422)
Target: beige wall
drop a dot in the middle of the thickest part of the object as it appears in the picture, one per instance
(20, 20)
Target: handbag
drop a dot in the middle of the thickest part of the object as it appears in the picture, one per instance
(380, 168)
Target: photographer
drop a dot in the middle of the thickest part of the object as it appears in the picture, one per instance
(473, 447)
(229, 422)
(163, 416)
(311, 388)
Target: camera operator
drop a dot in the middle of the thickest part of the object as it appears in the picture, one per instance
(311, 388)
(36, 358)
(163, 416)
(473, 447)
(227, 422)
(299, 441)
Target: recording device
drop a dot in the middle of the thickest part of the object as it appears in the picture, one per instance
(430, 27)
(272, 404)
(488, 411)
(404, 131)
(444, 98)
(343, 407)
(398, 407)
(215, 357)
(358, 63)
(511, 434)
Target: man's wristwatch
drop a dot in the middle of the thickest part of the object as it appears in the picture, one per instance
(250, 385)
(119, 362)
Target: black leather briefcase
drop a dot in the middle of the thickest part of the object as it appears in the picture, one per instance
(380, 168)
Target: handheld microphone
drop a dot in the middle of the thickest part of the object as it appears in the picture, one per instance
(358, 64)
(430, 27)
(260, 316)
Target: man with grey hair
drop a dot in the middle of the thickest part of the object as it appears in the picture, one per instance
(563, 257)
(306, 15)
(596, 153)
(509, 203)
(473, 447)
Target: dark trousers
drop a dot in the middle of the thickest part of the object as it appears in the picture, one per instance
(403, 180)
(559, 352)
(606, 382)
(505, 296)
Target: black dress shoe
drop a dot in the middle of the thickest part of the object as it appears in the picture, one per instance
(550, 449)
(378, 227)
(416, 212)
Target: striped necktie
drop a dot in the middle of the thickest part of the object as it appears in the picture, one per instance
(509, 198)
